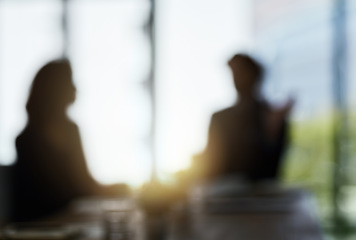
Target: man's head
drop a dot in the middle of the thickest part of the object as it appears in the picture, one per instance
(247, 73)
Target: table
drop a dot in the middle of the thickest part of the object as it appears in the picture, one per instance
(289, 214)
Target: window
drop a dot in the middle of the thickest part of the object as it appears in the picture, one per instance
(30, 35)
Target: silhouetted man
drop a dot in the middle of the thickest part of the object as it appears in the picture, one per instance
(248, 138)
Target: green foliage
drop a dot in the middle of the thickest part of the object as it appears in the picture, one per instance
(309, 160)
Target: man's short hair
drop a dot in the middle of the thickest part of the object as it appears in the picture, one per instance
(249, 61)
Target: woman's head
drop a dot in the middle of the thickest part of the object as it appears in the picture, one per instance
(52, 90)
(247, 73)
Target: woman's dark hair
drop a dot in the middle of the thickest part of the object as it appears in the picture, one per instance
(52, 90)
(249, 62)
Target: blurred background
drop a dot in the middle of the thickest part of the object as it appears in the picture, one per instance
(149, 74)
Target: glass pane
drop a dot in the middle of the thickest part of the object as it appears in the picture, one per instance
(349, 191)
(110, 56)
(295, 41)
(29, 37)
(195, 40)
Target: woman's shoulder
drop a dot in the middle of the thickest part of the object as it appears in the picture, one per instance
(27, 134)
(70, 125)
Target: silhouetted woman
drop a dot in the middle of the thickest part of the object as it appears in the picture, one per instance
(248, 138)
(50, 170)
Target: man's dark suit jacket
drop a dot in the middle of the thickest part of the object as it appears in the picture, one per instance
(238, 143)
